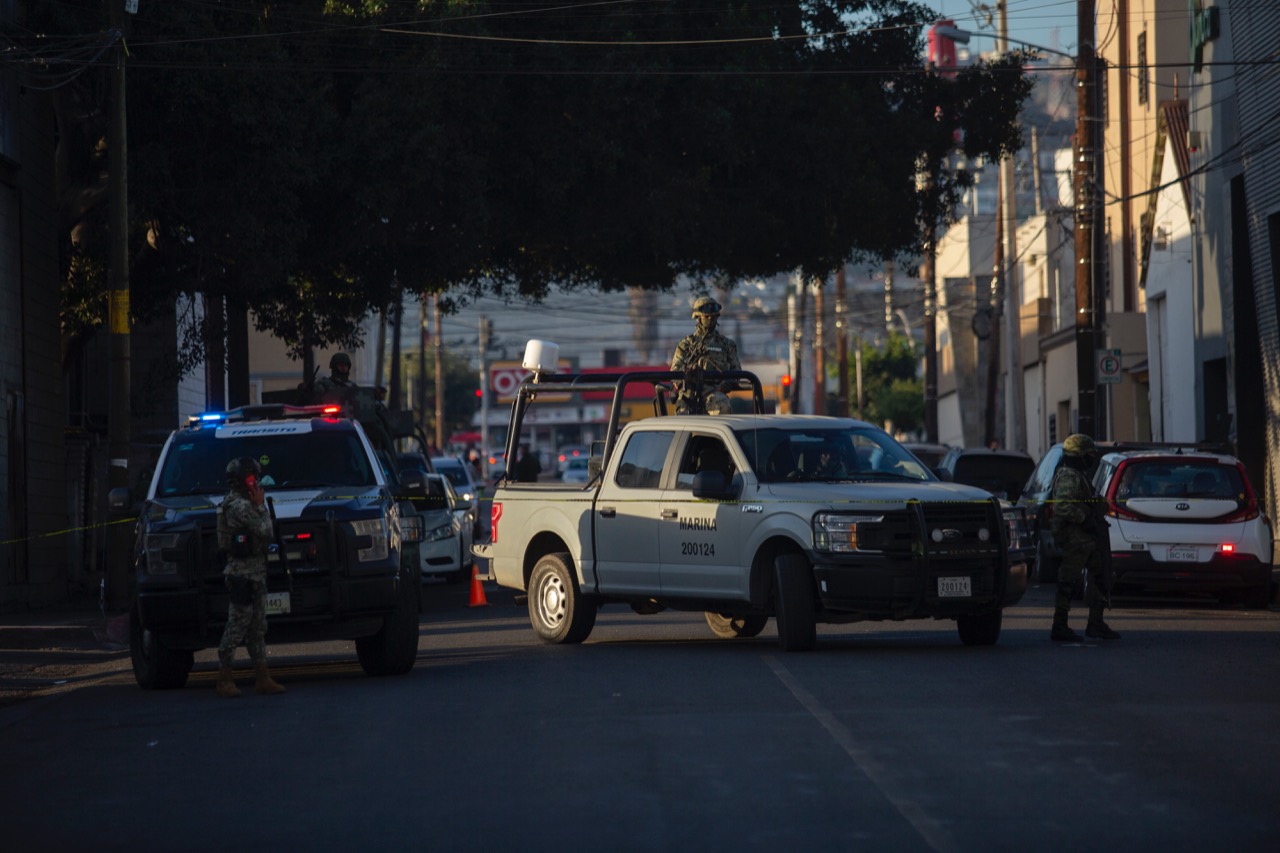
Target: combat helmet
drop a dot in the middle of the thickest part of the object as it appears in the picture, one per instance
(705, 305)
(1079, 444)
(339, 358)
(238, 469)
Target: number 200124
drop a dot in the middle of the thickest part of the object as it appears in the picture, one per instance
(697, 549)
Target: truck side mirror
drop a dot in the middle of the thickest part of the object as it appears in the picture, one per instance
(711, 485)
(119, 501)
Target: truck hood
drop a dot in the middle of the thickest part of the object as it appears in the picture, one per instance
(870, 491)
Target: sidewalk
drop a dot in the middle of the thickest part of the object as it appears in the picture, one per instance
(75, 625)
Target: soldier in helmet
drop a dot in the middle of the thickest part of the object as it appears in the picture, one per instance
(244, 534)
(705, 349)
(1080, 529)
(337, 387)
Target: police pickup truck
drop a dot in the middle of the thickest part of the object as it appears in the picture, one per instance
(344, 564)
(807, 519)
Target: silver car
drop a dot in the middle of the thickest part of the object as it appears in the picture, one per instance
(446, 532)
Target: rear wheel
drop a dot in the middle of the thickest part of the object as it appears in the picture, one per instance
(728, 627)
(795, 608)
(393, 650)
(155, 665)
(981, 629)
(1046, 563)
(558, 610)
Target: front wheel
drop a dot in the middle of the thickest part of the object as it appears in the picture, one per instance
(980, 630)
(558, 610)
(729, 627)
(394, 649)
(155, 665)
(794, 606)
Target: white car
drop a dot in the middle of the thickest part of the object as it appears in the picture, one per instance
(446, 532)
(1186, 521)
(462, 476)
(576, 470)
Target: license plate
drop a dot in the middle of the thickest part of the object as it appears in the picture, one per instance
(277, 602)
(954, 587)
(1183, 553)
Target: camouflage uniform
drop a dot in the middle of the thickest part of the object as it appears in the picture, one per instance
(1080, 531)
(336, 387)
(705, 349)
(246, 623)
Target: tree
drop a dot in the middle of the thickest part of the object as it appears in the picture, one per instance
(303, 157)
(891, 384)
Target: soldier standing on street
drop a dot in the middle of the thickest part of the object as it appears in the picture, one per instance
(245, 532)
(705, 349)
(1080, 530)
(337, 387)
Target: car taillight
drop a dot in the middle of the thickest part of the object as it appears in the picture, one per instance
(1248, 508)
(1227, 548)
(495, 513)
(1116, 507)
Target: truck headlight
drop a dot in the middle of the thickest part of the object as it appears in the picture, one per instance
(410, 528)
(376, 530)
(163, 555)
(1015, 520)
(843, 533)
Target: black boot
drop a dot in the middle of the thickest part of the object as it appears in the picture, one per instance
(1100, 631)
(1061, 632)
(1096, 628)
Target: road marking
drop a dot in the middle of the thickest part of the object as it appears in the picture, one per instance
(929, 829)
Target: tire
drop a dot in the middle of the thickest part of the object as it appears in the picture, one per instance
(558, 611)
(981, 629)
(394, 649)
(1046, 564)
(794, 606)
(155, 665)
(730, 627)
(1257, 597)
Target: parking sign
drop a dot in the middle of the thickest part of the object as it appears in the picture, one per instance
(1108, 362)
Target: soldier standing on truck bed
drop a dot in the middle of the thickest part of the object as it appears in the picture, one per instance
(245, 532)
(705, 349)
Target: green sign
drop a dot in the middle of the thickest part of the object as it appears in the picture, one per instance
(1204, 29)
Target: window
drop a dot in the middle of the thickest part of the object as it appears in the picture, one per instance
(640, 466)
(704, 453)
(1143, 71)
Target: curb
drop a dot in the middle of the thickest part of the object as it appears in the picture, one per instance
(89, 632)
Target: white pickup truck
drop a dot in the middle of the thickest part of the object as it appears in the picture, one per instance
(803, 518)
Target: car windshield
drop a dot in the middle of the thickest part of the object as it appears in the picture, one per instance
(457, 476)
(1192, 478)
(781, 455)
(197, 463)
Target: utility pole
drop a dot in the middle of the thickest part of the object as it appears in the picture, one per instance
(394, 392)
(1014, 415)
(819, 351)
(485, 328)
(119, 427)
(931, 333)
(1087, 225)
(842, 346)
(439, 353)
(424, 337)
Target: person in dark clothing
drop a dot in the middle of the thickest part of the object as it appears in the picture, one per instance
(528, 468)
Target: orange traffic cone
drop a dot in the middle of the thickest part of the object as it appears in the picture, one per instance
(477, 589)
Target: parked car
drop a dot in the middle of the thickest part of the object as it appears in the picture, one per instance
(1001, 472)
(569, 452)
(1186, 521)
(930, 454)
(462, 477)
(1035, 501)
(576, 471)
(414, 460)
(447, 532)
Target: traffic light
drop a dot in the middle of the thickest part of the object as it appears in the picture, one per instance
(785, 381)
(479, 393)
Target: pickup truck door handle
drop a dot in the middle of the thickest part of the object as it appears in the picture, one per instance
(607, 512)
(669, 513)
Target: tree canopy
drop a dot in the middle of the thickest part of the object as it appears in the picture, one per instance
(306, 157)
